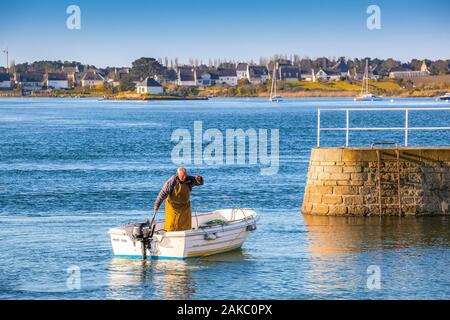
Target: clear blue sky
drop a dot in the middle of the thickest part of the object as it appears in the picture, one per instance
(118, 32)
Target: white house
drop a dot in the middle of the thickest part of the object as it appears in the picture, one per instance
(56, 80)
(328, 75)
(186, 77)
(242, 71)
(206, 78)
(30, 81)
(149, 86)
(91, 79)
(308, 75)
(228, 77)
(5, 81)
(257, 74)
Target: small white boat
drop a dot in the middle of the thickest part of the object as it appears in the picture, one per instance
(445, 97)
(368, 97)
(276, 99)
(212, 233)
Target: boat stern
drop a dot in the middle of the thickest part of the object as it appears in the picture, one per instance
(123, 245)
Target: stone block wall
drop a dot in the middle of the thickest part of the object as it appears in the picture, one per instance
(352, 182)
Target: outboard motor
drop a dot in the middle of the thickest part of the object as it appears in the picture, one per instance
(141, 232)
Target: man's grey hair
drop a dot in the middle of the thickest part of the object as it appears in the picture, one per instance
(181, 169)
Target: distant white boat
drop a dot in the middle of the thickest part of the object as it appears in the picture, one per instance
(368, 97)
(365, 93)
(212, 233)
(273, 89)
(445, 97)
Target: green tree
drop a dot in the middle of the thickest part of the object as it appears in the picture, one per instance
(440, 67)
(144, 67)
(388, 64)
(126, 84)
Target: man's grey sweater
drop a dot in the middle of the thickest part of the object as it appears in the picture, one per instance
(170, 185)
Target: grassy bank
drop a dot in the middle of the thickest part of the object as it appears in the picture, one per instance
(99, 94)
(323, 89)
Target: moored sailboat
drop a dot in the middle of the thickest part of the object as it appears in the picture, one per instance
(273, 89)
(365, 93)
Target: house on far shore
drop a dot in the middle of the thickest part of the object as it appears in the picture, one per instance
(56, 80)
(242, 71)
(227, 76)
(71, 73)
(401, 73)
(205, 77)
(91, 79)
(114, 76)
(149, 86)
(257, 74)
(308, 75)
(342, 68)
(331, 75)
(5, 81)
(374, 73)
(30, 81)
(280, 63)
(186, 77)
(289, 73)
(169, 76)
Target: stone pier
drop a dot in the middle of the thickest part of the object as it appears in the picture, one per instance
(378, 181)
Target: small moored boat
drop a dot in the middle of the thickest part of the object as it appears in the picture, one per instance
(274, 97)
(365, 93)
(445, 97)
(212, 233)
(368, 97)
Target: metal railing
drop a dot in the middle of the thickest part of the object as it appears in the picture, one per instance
(406, 128)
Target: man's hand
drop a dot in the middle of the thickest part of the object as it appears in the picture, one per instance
(198, 179)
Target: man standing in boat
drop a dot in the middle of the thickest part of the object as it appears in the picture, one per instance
(176, 191)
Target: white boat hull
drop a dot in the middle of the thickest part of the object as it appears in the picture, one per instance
(368, 97)
(195, 243)
(445, 97)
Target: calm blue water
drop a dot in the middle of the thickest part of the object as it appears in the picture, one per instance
(71, 169)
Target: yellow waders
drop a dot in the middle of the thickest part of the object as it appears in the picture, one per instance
(178, 209)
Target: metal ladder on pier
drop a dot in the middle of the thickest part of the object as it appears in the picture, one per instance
(380, 183)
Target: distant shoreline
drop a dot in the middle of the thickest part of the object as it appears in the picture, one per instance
(292, 89)
(287, 97)
(99, 97)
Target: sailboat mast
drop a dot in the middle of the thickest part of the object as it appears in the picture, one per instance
(367, 76)
(365, 82)
(273, 89)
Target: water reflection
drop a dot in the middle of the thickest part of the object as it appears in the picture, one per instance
(340, 235)
(139, 279)
(174, 279)
(342, 248)
(164, 279)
